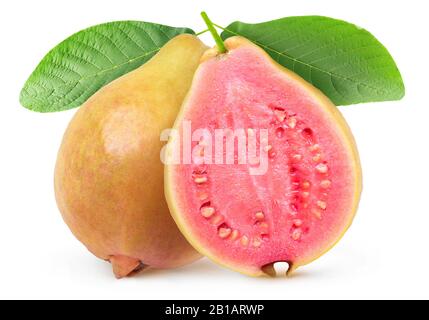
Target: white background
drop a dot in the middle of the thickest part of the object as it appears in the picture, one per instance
(384, 255)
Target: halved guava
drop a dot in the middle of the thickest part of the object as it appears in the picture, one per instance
(243, 214)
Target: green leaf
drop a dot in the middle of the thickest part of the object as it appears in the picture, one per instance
(344, 61)
(83, 63)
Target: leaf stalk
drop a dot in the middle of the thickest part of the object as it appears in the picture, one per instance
(219, 42)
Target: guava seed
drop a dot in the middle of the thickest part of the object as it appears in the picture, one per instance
(280, 114)
(321, 204)
(234, 234)
(291, 122)
(259, 215)
(207, 212)
(257, 242)
(306, 185)
(263, 225)
(244, 240)
(297, 157)
(317, 157)
(224, 232)
(200, 180)
(325, 184)
(314, 148)
(296, 234)
(322, 168)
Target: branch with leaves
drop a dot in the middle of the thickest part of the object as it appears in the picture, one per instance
(346, 62)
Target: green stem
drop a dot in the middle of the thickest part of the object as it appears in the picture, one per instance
(219, 42)
(220, 27)
(201, 32)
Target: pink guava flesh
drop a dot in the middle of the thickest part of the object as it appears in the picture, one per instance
(304, 202)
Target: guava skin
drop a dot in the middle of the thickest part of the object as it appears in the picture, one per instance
(109, 177)
(302, 206)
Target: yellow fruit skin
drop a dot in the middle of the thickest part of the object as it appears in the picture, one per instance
(109, 177)
(343, 130)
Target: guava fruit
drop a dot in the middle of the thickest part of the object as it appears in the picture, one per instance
(109, 176)
(301, 204)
